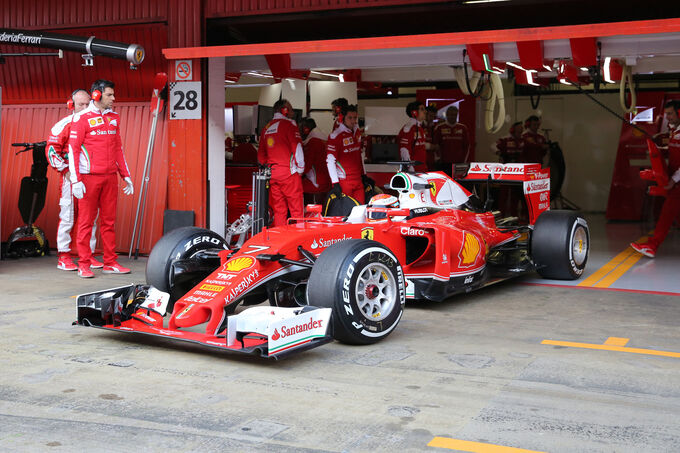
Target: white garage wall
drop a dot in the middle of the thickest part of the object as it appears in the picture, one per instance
(587, 134)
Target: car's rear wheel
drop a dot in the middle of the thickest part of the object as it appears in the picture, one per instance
(181, 244)
(362, 281)
(560, 244)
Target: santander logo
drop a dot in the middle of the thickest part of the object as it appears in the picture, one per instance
(276, 335)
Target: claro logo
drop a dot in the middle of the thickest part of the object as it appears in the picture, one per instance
(408, 231)
(298, 328)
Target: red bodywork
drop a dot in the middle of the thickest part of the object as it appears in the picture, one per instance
(442, 251)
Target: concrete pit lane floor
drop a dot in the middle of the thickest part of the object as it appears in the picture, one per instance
(472, 374)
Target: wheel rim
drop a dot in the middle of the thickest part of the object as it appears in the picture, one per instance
(579, 246)
(376, 291)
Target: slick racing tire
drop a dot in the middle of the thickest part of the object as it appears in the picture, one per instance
(560, 244)
(362, 281)
(179, 244)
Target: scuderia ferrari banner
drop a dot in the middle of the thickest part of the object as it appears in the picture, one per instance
(134, 53)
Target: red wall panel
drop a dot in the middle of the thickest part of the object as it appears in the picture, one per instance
(52, 14)
(31, 123)
(47, 80)
(225, 8)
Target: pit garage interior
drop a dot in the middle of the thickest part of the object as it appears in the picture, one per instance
(528, 364)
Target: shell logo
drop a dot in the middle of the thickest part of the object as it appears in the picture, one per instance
(270, 141)
(239, 264)
(470, 251)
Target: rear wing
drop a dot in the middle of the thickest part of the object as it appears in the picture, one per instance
(535, 181)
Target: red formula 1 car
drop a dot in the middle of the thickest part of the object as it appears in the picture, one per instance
(435, 239)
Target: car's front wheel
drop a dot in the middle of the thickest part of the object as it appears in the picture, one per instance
(362, 281)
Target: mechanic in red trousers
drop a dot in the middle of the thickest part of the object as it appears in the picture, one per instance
(452, 140)
(57, 156)
(535, 144)
(343, 157)
(671, 206)
(281, 148)
(411, 137)
(95, 156)
(315, 180)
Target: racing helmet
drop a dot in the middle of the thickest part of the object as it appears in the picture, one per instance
(381, 202)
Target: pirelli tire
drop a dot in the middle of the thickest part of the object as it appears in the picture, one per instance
(179, 244)
(560, 244)
(363, 282)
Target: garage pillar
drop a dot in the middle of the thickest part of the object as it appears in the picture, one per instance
(216, 153)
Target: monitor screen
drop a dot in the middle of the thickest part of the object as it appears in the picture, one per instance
(384, 152)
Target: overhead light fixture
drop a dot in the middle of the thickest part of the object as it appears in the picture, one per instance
(341, 77)
(328, 74)
(257, 74)
(389, 92)
(613, 71)
(229, 81)
(530, 79)
(583, 68)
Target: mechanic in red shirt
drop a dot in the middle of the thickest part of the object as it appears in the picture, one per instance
(509, 150)
(511, 147)
(343, 157)
(315, 180)
(671, 206)
(281, 148)
(57, 156)
(337, 107)
(95, 156)
(451, 138)
(535, 144)
(411, 137)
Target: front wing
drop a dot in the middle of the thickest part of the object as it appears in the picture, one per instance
(271, 332)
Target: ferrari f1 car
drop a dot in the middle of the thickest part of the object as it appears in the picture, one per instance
(345, 277)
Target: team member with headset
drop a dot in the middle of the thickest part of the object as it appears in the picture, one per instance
(412, 136)
(57, 156)
(337, 107)
(343, 157)
(95, 156)
(281, 148)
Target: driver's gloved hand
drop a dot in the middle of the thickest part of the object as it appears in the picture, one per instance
(367, 181)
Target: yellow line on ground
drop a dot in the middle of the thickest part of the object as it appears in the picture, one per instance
(607, 268)
(619, 271)
(607, 347)
(617, 341)
(625, 259)
(475, 447)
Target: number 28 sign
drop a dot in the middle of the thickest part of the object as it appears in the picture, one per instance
(185, 101)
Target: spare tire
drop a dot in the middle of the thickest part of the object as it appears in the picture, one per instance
(362, 281)
(560, 244)
(179, 244)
